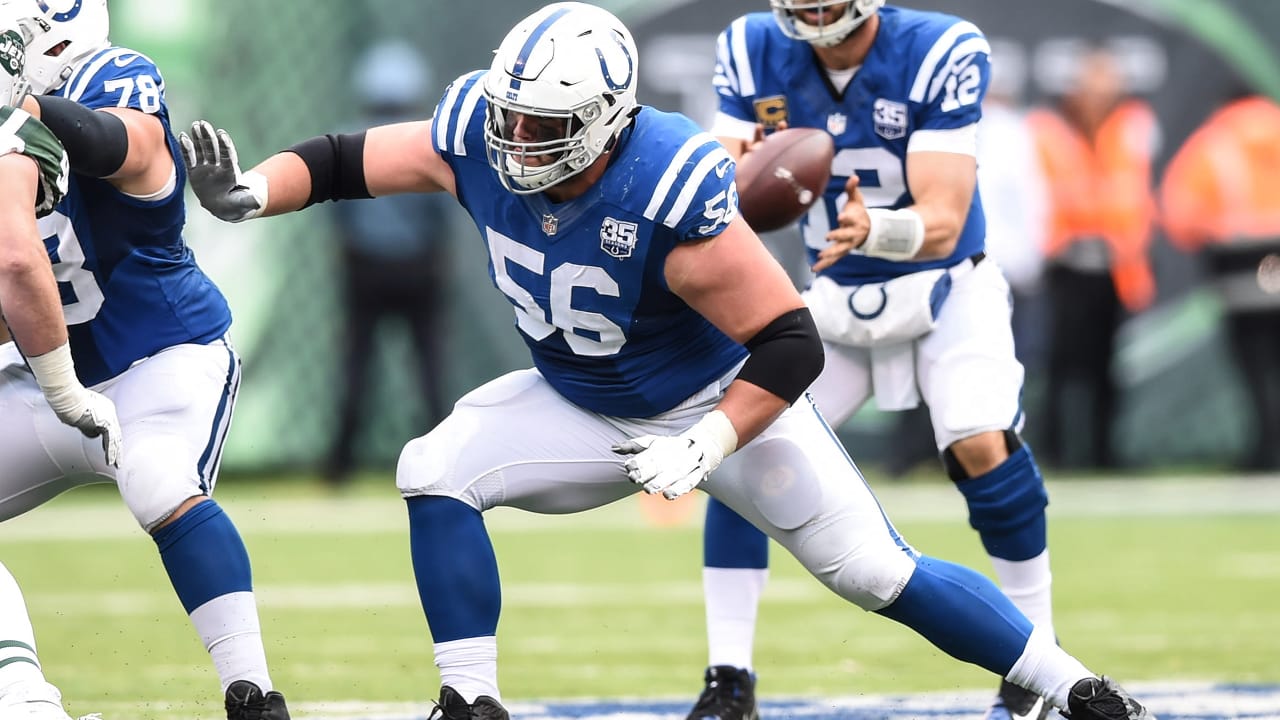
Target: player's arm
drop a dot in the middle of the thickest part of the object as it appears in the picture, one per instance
(127, 147)
(383, 160)
(942, 184)
(733, 281)
(28, 292)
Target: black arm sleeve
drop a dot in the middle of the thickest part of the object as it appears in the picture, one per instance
(786, 356)
(96, 142)
(336, 163)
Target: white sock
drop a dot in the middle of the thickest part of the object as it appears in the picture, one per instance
(732, 597)
(18, 661)
(228, 626)
(1029, 584)
(1046, 669)
(470, 666)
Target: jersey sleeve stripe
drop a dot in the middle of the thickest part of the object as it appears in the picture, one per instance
(961, 140)
(725, 76)
(90, 70)
(693, 183)
(9, 131)
(468, 112)
(940, 49)
(958, 54)
(741, 58)
(451, 116)
(672, 172)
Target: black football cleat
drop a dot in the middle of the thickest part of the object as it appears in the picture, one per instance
(246, 701)
(1101, 699)
(452, 706)
(730, 694)
(1014, 702)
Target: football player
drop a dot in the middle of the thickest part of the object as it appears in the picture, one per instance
(908, 305)
(33, 179)
(664, 338)
(147, 328)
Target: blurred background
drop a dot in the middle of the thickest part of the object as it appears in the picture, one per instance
(1179, 384)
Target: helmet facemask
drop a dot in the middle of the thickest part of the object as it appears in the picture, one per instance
(557, 143)
(824, 33)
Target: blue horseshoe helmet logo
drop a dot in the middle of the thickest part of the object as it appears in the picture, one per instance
(62, 16)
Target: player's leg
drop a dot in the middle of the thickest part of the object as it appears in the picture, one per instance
(41, 456)
(175, 408)
(24, 692)
(736, 557)
(514, 441)
(972, 383)
(828, 518)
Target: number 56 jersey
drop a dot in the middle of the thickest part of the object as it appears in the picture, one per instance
(130, 285)
(919, 88)
(586, 277)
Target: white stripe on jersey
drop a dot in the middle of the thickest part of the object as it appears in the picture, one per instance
(724, 77)
(964, 50)
(961, 140)
(9, 140)
(742, 59)
(668, 178)
(693, 182)
(450, 106)
(936, 53)
(468, 110)
(90, 69)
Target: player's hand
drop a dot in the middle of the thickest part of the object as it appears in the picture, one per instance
(214, 172)
(759, 138)
(94, 415)
(853, 225)
(675, 464)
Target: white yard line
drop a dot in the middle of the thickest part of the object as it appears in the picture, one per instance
(102, 515)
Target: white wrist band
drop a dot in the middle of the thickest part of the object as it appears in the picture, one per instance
(256, 184)
(55, 373)
(715, 426)
(895, 234)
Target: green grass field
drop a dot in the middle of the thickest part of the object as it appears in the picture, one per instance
(1156, 579)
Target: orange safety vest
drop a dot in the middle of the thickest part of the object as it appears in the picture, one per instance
(1103, 190)
(1223, 184)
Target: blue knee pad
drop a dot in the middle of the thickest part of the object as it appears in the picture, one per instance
(204, 556)
(963, 613)
(455, 568)
(1006, 507)
(728, 541)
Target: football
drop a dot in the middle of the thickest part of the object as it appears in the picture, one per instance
(783, 176)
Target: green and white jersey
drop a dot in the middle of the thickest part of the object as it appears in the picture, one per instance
(21, 133)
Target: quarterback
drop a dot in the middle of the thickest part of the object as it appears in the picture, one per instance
(907, 303)
(664, 338)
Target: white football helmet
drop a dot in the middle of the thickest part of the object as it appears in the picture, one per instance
(13, 58)
(63, 32)
(568, 72)
(829, 34)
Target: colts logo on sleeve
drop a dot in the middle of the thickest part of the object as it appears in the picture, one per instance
(771, 110)
(890, 118)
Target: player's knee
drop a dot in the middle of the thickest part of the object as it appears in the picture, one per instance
(979, 454)
(869, 573)
(1008, 498)
(153, 487)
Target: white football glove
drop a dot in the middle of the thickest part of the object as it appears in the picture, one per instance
(89, 412)
(213, 170)
(675, 464)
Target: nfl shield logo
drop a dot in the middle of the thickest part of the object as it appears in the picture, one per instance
(836, 123)
(890, 118)
(550, 223)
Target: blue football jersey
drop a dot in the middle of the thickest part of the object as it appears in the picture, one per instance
(586, 276)
(130, 285)
(925, 71)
